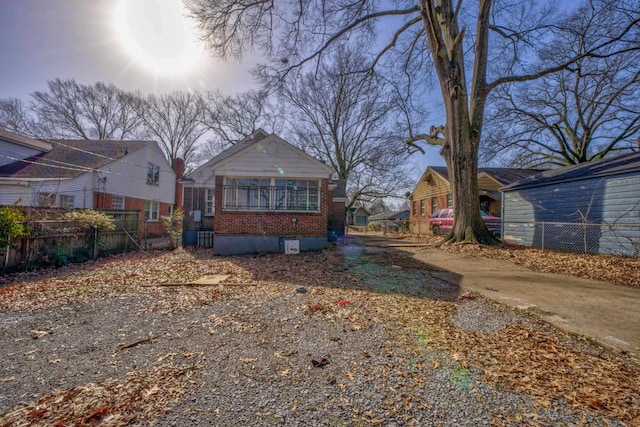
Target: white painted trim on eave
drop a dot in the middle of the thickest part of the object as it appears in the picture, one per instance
(298, 151)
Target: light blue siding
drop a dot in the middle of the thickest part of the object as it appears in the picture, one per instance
(595, 214)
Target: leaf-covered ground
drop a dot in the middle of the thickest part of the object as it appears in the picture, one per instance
(619, 270)
(372, 339)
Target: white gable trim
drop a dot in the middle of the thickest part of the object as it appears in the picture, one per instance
(269, 138)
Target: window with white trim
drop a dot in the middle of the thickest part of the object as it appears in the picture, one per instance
(117, 202)
(210, 200)
(153, 174)
(151, 211)
(271, 194)
(423, 209)
(66, 201)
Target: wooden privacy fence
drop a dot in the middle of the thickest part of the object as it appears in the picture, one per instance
(420, 227)
(58, 241)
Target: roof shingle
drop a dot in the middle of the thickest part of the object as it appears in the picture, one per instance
(71, 158)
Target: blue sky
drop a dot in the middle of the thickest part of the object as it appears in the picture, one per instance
(76, 39)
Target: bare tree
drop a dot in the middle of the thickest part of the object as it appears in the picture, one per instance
(174, 120)
(110, 112)
(348, 119)
(15, 117)
(232, 118)
(72, 110)
(428, 32)
(573, 116)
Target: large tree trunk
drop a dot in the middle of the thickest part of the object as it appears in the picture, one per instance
(463, 175)
(463, 112)
(462, 164)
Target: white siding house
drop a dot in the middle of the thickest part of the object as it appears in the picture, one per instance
(87, 174)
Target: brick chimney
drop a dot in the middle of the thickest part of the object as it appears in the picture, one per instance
(178, 168)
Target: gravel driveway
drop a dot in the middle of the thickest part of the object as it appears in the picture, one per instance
(351, 336)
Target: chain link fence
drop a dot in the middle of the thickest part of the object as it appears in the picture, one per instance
(613, 239)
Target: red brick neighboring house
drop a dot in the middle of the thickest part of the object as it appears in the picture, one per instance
(260, 195)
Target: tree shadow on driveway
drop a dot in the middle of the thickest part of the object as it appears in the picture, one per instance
(384, 267)
(365, 263)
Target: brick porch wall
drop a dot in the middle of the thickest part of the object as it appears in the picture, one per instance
(154, 228)
(277, 224)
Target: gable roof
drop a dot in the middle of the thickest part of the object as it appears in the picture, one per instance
(70, 159)
(440, 170)
(390, 215)
(24, 140)
(256, 137)
(613, 166)
(249, 140)
(504, 176)
(354, 209)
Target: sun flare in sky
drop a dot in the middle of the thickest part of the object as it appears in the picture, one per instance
(158, 35)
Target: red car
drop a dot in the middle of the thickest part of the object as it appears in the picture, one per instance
(441, 222)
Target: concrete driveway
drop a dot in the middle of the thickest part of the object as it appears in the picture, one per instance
(604, 312)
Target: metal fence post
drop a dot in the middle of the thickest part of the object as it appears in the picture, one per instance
(95, 243)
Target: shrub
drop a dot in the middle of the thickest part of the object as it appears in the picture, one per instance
(12, 227)
(173, 225)
(88, 218)
(58, 258)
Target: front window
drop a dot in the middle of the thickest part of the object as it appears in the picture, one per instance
(153, 174)
(210, 194)
(415, 208)
(297, 195)
(271, 194)
(66, 202)
(423, 209)
(434, 204)
(151, 211)
(117, 203)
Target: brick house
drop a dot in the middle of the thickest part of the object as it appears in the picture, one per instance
(88, 174)
(260, 195)
(433, 192)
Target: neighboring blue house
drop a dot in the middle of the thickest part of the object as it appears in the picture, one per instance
(593, 207)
